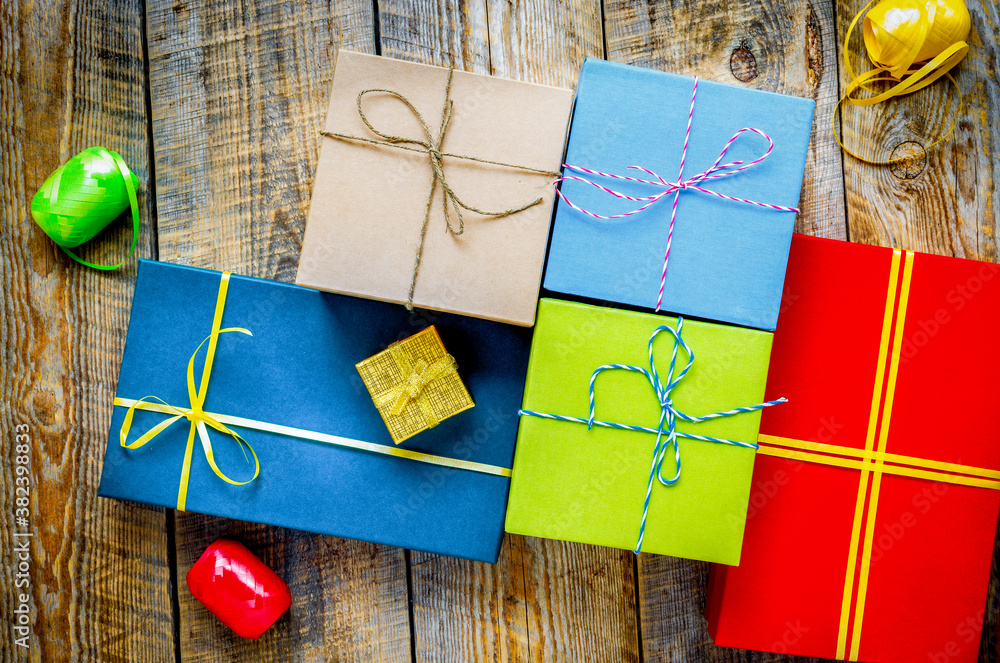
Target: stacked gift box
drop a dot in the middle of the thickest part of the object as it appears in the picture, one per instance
(596, 483)
(414, 389)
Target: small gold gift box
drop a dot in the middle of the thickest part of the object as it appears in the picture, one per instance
(415, 384)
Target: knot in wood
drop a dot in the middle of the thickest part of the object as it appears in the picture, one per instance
(908, 160)
(743, 64)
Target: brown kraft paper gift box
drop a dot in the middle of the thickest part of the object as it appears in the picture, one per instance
(369, 200)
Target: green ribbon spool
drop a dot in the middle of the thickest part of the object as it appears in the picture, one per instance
(83, 196)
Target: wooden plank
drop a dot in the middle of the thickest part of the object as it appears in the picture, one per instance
(672, 601)
(443, 33)
(544, 42)
(531, 606)
(348, 597)
(579, 600)
(238, 98)
(71, 76)
(782, 46)
(943, 201)
(787, 47)
(544, 601)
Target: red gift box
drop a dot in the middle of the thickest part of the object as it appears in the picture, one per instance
(876, 489)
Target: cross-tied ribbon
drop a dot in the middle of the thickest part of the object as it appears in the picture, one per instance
(419, 374)
(431, 145)
(195, 413)
(716, 171)
(666, 430)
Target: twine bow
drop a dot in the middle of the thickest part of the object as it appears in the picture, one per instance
(717, 170)
(432, 146)
(195, 413)
(666, 430)
(418, 374)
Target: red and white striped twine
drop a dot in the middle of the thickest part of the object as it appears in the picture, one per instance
(716, 171)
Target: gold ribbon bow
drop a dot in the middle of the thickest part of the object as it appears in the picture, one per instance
(431, 146)
(195, 413)
(419, 374)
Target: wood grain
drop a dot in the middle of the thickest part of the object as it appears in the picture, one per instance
(539, 41)
(531, 606)
(438, 32)
(783, 46)
(348, 597)
(238, 98)
(943, 201)
(238, 92)
(72, 76)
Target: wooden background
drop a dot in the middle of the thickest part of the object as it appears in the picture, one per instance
(216, 106)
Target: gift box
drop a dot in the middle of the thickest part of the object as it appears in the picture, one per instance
(433, 188)
(590, 483)
(312, 452)
(874, 505)
(415, 384)
(728, 243)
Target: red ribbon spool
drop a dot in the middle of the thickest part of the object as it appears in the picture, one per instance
(238, 588)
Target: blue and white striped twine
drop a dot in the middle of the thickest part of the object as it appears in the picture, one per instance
(668, 415)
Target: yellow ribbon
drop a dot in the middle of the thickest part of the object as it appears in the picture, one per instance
(912, 43)
(874, 461)
(419, 374)
(896, 464)
(335, 440)
(195, 413)
(199, 418)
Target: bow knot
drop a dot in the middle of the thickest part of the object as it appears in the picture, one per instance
(195, 413)
(666, 430)
(432, 148)
(418, 375)
(716, 170)
(417, 380)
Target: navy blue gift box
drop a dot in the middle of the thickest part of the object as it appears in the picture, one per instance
(442, 491)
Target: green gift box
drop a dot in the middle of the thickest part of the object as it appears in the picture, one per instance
(589, 483)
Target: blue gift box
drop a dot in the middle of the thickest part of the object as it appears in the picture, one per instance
(727, 259)
(298, 371)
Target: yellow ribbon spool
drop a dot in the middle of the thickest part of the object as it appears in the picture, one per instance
(912, 43)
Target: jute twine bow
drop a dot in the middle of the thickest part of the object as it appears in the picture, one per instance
(912, 43)
(431, 146)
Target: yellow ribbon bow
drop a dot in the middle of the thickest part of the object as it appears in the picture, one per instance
(419, 374)
(912, 43)
(195, 413)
